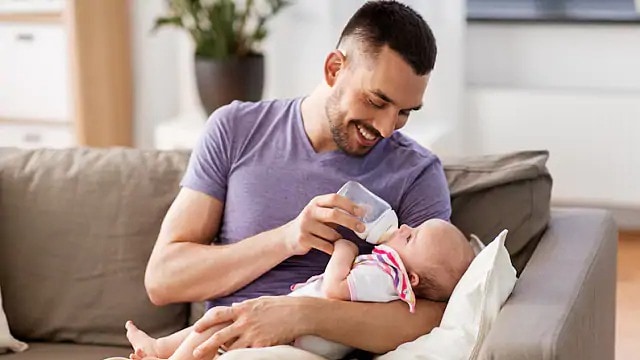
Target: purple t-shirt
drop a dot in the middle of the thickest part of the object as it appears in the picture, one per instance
(257, 159)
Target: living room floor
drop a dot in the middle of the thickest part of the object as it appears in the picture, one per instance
(628, 296)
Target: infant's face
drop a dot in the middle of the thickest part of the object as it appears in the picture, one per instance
(430, 244)
(414, 245)
(436, 248)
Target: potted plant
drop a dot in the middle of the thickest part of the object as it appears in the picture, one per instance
(228, 62)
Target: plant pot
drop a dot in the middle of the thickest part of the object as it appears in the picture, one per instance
(222, 81)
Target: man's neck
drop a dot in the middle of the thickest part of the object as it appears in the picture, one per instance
(314, 119)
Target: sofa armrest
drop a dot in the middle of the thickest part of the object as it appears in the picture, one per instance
(563, 305)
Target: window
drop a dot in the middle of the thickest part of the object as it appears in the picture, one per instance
(554, 10)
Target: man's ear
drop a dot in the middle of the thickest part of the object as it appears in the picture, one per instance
(414, 279)
(332, 65)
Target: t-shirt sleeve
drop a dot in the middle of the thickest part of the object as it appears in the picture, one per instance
(370, 283)
(211, 159)
(427, 197)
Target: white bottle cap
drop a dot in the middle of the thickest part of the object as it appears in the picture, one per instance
(387, 221)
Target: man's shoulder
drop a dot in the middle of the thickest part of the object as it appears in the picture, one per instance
(238, 110)
(240, 117)
(409, 150)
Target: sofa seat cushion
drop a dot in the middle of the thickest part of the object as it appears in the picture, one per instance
(76, 230)
(506, 191)
(50, 351)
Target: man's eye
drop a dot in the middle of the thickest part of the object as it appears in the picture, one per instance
(377, 106)
(409, 237)
(405, 113)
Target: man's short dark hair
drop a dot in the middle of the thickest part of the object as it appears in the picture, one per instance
(386, 22)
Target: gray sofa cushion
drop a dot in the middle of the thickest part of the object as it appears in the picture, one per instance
(40, 351)
(495, 192)
(76, 230)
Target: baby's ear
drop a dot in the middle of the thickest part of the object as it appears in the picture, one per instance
(414, 279)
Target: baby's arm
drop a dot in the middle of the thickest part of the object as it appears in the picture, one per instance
(334, 281)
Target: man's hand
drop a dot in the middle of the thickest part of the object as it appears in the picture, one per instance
(261, 322)
(315, 226)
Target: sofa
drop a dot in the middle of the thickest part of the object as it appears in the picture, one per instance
(77, 227)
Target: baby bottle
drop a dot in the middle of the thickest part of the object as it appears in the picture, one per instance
(379, 217)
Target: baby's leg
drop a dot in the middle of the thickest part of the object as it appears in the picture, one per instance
(146, 346)
(185, 350)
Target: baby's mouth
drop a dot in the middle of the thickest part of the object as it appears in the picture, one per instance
(387, 236)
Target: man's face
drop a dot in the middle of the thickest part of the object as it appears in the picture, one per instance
(371, 98)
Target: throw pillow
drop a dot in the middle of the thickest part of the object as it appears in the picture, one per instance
(7, 341)
(472, 309)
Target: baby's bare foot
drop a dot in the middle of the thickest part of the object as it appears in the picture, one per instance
(137, 354)
(143, 345)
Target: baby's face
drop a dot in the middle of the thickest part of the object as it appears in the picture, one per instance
(428, 246)
(414, 245)
(436, 248)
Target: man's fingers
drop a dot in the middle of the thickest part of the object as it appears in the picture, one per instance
(320, 244)
(209, 348)
(240, 343)
(324, 231)
(338, 201)
(214, 316)
(339, 217)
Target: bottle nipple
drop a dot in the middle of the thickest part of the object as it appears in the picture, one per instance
(387, 235)
(387, 222)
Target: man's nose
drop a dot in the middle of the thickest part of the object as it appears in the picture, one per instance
(386, 123)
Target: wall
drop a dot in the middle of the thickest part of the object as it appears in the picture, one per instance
(156, 75)
(572, 89)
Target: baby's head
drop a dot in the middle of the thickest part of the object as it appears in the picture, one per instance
(435, 254)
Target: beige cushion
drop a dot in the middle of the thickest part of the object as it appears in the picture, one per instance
(39, 351)
(496, 192)
(76, 230)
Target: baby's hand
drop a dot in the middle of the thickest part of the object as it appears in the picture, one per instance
(343, 245)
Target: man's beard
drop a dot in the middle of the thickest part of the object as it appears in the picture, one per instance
(339, 130)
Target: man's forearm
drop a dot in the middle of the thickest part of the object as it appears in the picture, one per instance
(187, 271)
(375, 327)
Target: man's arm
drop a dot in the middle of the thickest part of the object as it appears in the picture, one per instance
(184, 267)
(374, 327)
(334, 280)
(267, 321)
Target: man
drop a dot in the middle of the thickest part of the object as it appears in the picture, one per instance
(262, 180)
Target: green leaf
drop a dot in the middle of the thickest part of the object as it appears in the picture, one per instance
(259, 34)
(164, 21)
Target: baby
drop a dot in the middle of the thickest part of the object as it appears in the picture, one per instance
(425, 262)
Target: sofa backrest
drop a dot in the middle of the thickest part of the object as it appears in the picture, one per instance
(76, 230)
(507, 191)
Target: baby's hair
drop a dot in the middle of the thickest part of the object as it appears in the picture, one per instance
(437, 280)
(429, 288)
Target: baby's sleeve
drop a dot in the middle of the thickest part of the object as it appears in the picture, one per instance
(370, 283)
